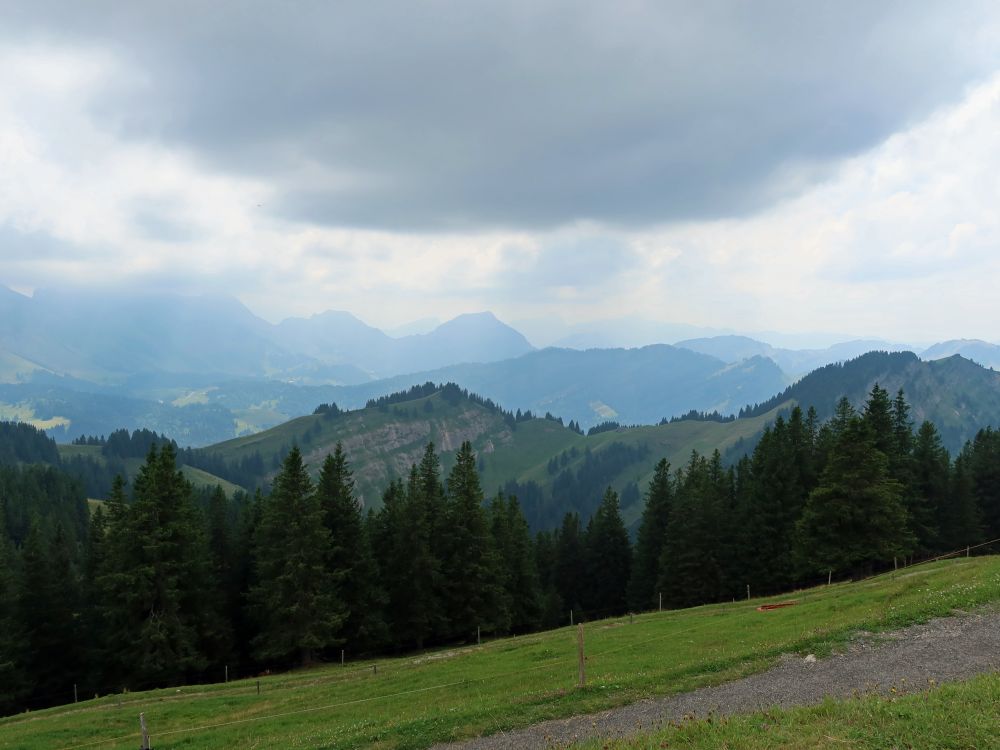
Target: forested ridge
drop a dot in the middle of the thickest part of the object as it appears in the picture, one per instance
(167, 585)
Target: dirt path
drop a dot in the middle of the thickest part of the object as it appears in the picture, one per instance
(942, 650)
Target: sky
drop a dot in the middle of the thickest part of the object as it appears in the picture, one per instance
(796, 167)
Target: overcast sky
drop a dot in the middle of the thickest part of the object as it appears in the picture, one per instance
(797, 166)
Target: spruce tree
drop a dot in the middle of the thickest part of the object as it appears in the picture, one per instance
(570, 566)
(13, 646)
(223, 604)
(350, 560)
(473, 597)
(295, 600)
(553, 610)
(165, 571)
(927, 501)
(608, 559)
(519, 572)
(47, 610)
(642, 594)
(855, 518)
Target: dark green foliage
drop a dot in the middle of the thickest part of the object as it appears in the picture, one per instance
(472, 596)
(22, 443)
(295, 595)
(518, 572)
(691, 571)
(46, 493)
(606, 426)
(855, 517)
(570, 564)
(580, 489)
(780, 476)
(47, 607)
(349, 557)
(927, 499)
(642, 594)
(608, 559)
(14, 680)
(158, 622)
(982, 457)
(408, 553)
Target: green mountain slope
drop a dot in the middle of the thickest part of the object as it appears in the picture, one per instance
(958, 395)
(382, 443)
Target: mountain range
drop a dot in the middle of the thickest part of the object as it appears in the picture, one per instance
(553, 469)
(203, 369)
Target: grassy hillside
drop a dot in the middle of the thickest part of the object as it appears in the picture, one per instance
(382, 442)
(414, 701)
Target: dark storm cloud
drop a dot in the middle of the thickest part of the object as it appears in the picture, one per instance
(471, 115)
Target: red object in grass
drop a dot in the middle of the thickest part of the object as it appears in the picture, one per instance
(769, 607)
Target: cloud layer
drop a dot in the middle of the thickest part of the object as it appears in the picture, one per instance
(712, 163)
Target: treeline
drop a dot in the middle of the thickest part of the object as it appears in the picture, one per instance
(843, 498)
(165, 586)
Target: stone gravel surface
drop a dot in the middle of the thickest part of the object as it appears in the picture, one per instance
(907, 660)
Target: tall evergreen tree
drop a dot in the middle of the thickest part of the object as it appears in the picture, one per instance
(553, 610)
(47, 610)
(983, 461)
(927, 500)
(570, 565)
(642, 593)
(963, 525)
(165, 569)
(472, 595)
(855, 517)
(608, 559)
(13, 646)
(350, 559)
(519, 572)
(295, 593)
(222, 606)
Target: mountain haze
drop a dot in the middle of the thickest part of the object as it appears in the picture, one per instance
(981, 352)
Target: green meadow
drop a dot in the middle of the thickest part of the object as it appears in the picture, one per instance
(419, 699)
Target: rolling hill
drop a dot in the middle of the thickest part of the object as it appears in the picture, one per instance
(382, 442)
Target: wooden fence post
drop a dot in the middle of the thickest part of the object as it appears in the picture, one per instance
(145, 732)
(580, 658)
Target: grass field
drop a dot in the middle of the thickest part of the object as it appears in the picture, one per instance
(960, 715)
(413, 701)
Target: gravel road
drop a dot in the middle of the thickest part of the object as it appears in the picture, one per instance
(942, 650)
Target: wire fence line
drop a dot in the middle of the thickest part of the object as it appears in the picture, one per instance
(564, 662)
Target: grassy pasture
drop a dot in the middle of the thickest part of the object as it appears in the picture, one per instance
(416, 700)
(959, 715)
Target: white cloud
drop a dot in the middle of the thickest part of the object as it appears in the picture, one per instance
(902, 241)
